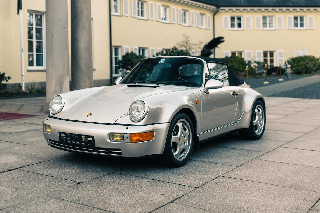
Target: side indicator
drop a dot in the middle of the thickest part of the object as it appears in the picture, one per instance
(197, 101)
(89, 114)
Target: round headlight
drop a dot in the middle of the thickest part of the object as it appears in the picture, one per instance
(56, 105)
(138, 111)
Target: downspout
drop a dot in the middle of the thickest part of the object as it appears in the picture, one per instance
(214, 29)
(110, 41)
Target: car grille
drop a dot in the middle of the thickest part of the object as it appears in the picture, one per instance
(81, 143)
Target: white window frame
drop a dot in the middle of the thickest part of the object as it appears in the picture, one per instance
(142, 50)
(165, 17)
(34, 53)
(184, 17)
(299, 22)
(114, 65)
(139, 9)
(268, 58)
(236, 19)
(236, 53)
(115, 10)
(268, 23)
(201, 20)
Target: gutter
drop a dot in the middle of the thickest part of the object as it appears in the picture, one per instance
(214, 29)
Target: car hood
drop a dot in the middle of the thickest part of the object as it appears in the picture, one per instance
(110, 103)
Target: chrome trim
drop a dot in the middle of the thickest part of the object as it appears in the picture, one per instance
(224, 126)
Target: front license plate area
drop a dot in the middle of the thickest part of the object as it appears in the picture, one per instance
(77, 140)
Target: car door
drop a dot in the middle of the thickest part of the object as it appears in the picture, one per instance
(219, 106)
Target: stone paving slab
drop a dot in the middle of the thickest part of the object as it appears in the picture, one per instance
(289, 120)
(314, 134)
(31, 137)
(291, 127)
(305, 144)
(235, 195)
(181, 208)
(18, 127)
(281, 135)
(124, 193)
(280, 174)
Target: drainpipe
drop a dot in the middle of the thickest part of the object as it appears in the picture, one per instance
(110, 41)
(214, 29)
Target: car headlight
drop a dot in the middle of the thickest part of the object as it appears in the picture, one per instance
(138, 111)
(56, 105)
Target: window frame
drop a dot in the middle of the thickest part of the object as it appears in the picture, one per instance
(139, 9)
(143, 50)
(268, 58)
(268, 23)
(299, 22)
(114, 65)
(113, 12)
(165, 11)
(236, 53)
(34, 41)
(236, 22)
(184, 17)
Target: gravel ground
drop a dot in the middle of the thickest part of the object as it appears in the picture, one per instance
(311, 91)
(255, 83)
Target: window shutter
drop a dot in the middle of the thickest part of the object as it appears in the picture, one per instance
(208, 21)
(259, 56)
(135, 50)
(134, 8)
(248, 56)
(159, 50)
(304, 52)
(179, 16)
(158, 9)
(191, 18)
(152, 51)
(296, 53)
(290, 22)
(311, 22)
(126, 50)
(151, 10)
(198, 19)
(258, 22)
(281, 58)
(173, 15)
(280, 22)
(226, 54)
(187, 18)
(225, 23)
(146, 52)
(126, 7)
(248, 23)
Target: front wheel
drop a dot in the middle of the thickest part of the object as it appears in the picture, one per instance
(179, 142)
(257, 123)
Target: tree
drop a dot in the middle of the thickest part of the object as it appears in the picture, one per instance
(3, 78)
(174, 51)
(187, 45)
(130, 60)
(209, 47)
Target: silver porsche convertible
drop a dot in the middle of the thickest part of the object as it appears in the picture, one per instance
(165, 107)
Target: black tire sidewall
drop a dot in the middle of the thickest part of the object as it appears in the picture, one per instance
(252, 133)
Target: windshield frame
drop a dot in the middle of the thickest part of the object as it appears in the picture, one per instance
(176, 83)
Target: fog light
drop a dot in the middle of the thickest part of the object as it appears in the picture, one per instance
(140, 137)
(119, 137)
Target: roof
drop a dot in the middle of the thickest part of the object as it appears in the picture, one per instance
(262, 3)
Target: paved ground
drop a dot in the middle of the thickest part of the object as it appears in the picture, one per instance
(279, 173)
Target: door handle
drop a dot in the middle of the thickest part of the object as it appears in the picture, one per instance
(235, 93)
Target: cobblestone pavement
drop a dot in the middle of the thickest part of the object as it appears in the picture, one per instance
(279, 173)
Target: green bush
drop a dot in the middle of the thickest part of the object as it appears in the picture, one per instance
(238, 65)
(304, 64)
(3, 78)
(130, 60)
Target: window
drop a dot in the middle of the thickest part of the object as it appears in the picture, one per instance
(268, 57)
(141, 9)
(143, 51)
(36, 48)
(184, 17)
(235, 22)
(238, 54)
(201, 20)
(115, 7)
(267, 22)
(298, 22)
(164, 13)
(116, 57)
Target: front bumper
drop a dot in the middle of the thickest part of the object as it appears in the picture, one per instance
(102, 144)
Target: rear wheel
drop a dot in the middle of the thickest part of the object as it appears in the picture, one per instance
(179, 142)
(257, 123)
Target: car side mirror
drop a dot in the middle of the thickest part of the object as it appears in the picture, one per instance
(117, 81)
(212, 84)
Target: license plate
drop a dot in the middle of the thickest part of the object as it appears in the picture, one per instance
(77, 140)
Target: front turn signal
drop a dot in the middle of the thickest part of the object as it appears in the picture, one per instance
(140, 137)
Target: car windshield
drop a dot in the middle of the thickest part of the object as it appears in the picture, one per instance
(176, 71)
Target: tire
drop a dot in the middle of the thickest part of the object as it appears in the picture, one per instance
(179, 142)
(257, 122)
